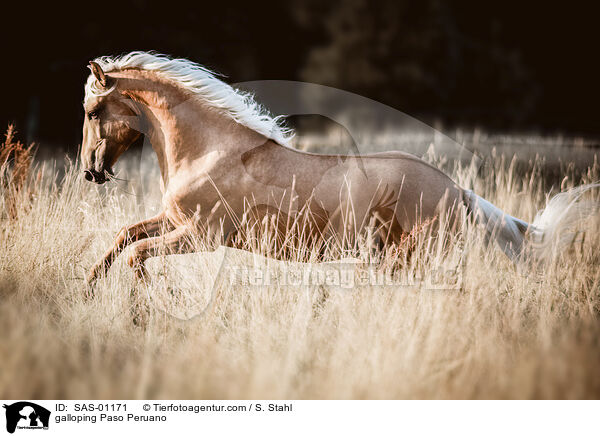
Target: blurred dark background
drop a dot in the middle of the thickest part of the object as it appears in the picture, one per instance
(502, 66)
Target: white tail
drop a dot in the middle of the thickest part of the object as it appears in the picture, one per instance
(554, 224)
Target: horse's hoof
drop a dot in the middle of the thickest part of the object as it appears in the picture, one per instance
(89, 293)
(141, 274)
(95, 272)
(140, 319)
(91, 279)
(139, 309)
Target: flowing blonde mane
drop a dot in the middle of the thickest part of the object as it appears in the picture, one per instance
(240, 106)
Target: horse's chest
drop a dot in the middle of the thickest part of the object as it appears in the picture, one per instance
(200, 188)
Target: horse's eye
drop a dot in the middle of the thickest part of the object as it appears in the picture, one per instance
(92, 115)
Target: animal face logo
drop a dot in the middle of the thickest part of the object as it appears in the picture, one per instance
(26, 415)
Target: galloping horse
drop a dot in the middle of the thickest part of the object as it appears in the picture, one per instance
(219, 151)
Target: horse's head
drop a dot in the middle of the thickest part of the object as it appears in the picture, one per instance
(110, 125)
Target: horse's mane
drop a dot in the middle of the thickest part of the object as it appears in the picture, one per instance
(240, 106)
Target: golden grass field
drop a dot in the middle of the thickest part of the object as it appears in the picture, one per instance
(503, 334)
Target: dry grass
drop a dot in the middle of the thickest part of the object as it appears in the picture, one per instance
(503, 334)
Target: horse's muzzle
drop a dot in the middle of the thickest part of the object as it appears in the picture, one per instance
(95, 176)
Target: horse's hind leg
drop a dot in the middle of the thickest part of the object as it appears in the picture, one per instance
(391, 236)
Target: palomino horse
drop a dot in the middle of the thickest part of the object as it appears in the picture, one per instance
(219, 151)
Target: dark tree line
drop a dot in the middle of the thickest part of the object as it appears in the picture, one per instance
(497, 65)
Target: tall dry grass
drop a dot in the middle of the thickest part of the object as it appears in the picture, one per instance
(16, 161)
(502, 334)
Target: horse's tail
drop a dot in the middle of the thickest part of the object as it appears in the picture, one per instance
(520, 240)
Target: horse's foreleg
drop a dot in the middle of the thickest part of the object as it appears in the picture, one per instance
(129, 234)
(176, 242)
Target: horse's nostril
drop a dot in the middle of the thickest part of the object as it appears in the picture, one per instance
(88, 175)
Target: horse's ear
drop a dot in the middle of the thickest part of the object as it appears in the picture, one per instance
(98, 73)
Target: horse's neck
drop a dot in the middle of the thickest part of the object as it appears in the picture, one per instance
(183, 129)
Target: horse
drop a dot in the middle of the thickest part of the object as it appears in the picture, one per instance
(220, 153)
